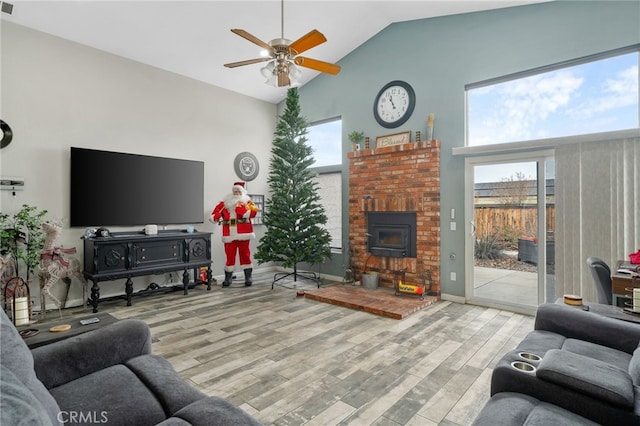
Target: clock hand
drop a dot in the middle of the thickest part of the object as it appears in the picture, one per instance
(391, 100)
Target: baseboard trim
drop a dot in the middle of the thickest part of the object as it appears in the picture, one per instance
(453, 298)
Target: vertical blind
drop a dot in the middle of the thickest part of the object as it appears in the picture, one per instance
(597, 209)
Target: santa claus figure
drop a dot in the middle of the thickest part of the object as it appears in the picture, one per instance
(234, 214)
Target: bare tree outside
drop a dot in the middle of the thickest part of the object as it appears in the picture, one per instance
(515, 190)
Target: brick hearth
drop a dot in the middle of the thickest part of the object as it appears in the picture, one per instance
(398, 178)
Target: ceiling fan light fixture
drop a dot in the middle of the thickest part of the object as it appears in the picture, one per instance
(272, 81)
(267, 70)
(294, 72)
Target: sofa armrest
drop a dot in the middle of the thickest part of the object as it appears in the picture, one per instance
(78, 356)
(595, 328)
(588, 376)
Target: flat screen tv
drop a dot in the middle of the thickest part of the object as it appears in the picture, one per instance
(119, 189)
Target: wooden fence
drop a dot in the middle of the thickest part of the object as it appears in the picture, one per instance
(511, 221)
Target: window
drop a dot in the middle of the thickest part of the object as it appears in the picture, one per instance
(325, 138)
(330, 191)
(590, 95)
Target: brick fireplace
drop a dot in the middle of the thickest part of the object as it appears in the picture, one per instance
(404, 179)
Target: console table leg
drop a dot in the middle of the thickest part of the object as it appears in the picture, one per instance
(209, 278)
(185, 282)
(128, 288)
(95, 295)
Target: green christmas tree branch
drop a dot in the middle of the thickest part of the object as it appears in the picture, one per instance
(294, 216)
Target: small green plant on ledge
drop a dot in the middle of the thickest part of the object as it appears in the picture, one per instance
(355, 137)
(22, 237)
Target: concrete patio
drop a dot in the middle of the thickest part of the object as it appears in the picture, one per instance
(504, 285)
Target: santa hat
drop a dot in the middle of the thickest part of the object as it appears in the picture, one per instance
(239, 186)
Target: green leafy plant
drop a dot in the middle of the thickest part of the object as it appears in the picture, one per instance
(489, 247)
(355, 136)
(22, 237)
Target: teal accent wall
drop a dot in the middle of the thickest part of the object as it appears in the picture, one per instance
(438, 56)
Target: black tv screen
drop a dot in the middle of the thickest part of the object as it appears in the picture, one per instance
(119, 189)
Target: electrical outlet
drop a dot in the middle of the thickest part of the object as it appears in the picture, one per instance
(452, 276)
(452, 226)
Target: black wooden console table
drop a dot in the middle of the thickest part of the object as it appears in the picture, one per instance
(126, 255)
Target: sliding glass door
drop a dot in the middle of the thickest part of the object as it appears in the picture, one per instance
(510, 244)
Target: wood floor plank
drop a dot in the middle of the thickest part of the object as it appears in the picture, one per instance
(472, 401)
(376, 408)
(332, 415)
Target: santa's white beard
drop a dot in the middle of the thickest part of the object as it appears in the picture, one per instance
(231, 201)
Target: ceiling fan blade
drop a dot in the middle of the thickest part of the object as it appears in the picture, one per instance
(317, 65)
(251, 38)
(307, 41)
(247, 62)
(283, 79)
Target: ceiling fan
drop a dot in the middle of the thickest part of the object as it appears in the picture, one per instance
(283, 57)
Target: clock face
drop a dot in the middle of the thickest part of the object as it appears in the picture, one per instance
(394, 104)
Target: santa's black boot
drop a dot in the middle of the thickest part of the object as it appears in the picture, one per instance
(228, 276)
(247, 277)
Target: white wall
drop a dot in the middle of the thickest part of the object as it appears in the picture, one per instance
(56, 94)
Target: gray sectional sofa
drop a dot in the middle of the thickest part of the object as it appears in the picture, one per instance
(106, 376)
(575, 367)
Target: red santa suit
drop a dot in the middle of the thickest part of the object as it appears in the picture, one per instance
(234, 213)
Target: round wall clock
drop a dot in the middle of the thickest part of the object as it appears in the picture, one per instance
(394, 104)
(246, 166)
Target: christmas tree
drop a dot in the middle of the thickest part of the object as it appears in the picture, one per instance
(293, 215)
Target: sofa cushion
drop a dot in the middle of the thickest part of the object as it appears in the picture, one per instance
(634, 367)
(601, 353)
(16, 357)
(18, 405)
(114, 395)
(589, 376)
(160, 377)
(508, 408)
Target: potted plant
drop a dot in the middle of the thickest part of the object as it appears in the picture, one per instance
(22, 237)
(355, 137)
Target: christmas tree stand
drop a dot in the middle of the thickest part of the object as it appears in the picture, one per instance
(305, 275)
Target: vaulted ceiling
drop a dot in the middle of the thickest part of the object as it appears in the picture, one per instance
(193, 38)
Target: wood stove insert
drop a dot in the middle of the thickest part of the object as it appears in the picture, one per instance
(391, 234)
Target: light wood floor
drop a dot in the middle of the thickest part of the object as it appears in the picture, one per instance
(288, 360)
